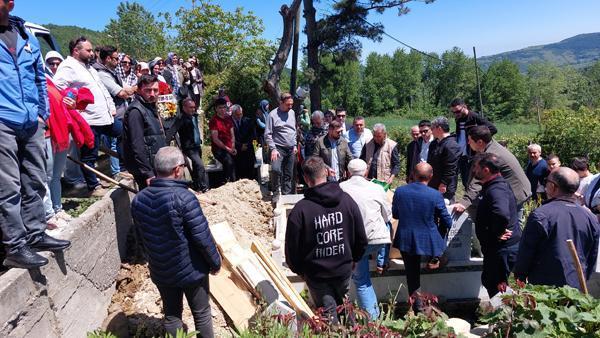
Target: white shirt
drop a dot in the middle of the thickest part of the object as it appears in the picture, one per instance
(425, 149)
(74, 74)
(374, 207)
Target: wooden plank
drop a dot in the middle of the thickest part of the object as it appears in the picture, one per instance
(286, 286)
(237, 303)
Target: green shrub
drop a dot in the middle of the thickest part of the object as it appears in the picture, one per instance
(569, 134)
(545, 311)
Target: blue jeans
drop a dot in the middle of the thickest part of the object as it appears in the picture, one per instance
(365, 294)
(49, 165)
(73, 173)
(90, 155)
(383, 256)
(58, 167)
(111, 143)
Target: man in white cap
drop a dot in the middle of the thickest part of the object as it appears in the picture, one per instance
(144, 68)
(376, 212)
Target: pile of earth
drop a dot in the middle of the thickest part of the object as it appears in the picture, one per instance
(136, 307)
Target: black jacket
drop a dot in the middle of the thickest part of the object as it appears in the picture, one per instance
(143, 135)
(245, 132)
(544, 257)
(185, 129)
(443, 158)
(473, 119)
(413, 154)
(180, 247)
(325, 234)
(496, 212)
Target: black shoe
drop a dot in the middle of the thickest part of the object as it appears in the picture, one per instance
(49, 243)
(24, 259)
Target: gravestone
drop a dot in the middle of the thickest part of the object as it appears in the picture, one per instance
(459, 237)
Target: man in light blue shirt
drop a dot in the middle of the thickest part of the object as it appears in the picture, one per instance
(358, 136)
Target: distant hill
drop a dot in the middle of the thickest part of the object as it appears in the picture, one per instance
(64, 34)
(578, 51)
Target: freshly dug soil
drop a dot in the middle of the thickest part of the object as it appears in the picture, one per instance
(136, 308)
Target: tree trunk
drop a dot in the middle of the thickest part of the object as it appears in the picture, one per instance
(271, 84)
(294, 75)
(312, 48)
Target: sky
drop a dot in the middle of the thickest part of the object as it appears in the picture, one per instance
(492, 26)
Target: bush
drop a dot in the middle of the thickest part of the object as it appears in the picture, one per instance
(569, 134)
(517, 145)
(545, 311)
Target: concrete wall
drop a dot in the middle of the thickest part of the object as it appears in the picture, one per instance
(70, 296)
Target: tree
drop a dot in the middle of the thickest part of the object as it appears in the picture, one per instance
(341, 84)
(503, 90)
(407, 74)
(378, 90)
(455, 78)
(546, 84)
(136, 31)
(228, 46)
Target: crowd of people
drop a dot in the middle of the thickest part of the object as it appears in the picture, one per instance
(53, 108)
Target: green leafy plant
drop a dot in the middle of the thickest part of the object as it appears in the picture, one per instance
(545, 311)
(100, 334)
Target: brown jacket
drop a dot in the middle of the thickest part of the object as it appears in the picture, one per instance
(323, 150)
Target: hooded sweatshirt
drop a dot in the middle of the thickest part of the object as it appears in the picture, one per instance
(325, 234)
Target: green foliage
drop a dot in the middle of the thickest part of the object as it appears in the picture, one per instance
(455, 78)
(503, 91)
(517, 144)
(64, 34)
(136, 32)
(229, 48)
(378, 90)
(100, 334)
(407, 70)
(547, 86)
(428, 323)
(569, 133)
(545, 311)
(340, 84)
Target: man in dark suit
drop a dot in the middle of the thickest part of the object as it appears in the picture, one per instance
(543, 254)
(412, 153)
(245, 133)
(417, 207)
(334, 151)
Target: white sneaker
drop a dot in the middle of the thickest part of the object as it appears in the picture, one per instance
(61, 214)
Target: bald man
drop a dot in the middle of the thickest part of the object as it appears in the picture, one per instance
(418, 208)
(543, 255)
(413, 150)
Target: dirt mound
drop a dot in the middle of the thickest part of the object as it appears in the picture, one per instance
(240, 204)
(136, 308)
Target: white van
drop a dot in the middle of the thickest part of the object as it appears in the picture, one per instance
(47, 42)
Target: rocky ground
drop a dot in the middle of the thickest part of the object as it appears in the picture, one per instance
(136, 308)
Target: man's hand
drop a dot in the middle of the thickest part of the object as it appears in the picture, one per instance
(295, 150)
(442, 188)
(506, 235)
(69, 102)
(390, 180)
(232, 151)
(148, 180)
(330, 172)
(113, 113)
(459, 208)
(274, 155)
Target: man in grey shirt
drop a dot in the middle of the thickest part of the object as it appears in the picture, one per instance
(280, 136)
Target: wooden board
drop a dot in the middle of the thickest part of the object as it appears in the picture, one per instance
(231, 296)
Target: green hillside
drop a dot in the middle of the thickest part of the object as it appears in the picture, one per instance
(578, 51)
(64, 34)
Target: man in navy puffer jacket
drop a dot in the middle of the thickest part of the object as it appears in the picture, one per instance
(179, 245)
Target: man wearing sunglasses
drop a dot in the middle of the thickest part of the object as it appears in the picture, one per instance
(466, 119)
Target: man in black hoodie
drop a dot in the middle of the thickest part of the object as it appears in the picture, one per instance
(325, 237)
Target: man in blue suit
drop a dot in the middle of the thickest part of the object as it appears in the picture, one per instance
(417, 207)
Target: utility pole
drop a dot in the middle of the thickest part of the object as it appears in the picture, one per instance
(478, 85)
(294, 74)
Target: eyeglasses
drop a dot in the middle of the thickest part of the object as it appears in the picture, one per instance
(56, 64)
(341, 116)
(425, 131)
(125, 62)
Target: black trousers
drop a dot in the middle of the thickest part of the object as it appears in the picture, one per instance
(244, 163)
(228, 164)
(198, 172)
(197, 297)
(412, 266)
(497, 265)
(464, 169)
(328, 295)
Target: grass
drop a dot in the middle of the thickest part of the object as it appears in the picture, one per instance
(76, 206)
(504, 128)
